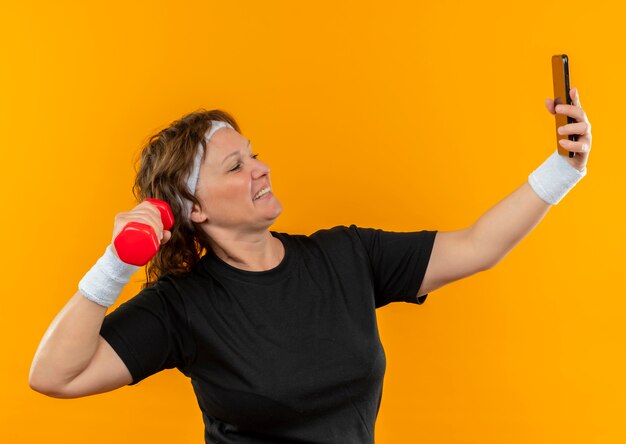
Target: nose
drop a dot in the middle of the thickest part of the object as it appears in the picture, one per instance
(260, 169)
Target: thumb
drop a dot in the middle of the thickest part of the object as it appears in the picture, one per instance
(167, 235)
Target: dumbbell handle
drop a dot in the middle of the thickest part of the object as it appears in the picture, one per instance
(137, 243)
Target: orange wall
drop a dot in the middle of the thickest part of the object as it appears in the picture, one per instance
(397, 115)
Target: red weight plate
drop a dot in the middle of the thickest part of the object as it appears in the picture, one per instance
(136, 244)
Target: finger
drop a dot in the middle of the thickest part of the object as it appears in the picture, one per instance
(145, 217)
(550, 106)
(577, 147)
(570, 110)
(154, 214)
(575, 97)
(167, 235)
(579, 128)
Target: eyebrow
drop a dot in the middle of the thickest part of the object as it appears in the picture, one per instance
(234, 153)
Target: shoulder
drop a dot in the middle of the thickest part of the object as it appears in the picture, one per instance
(170, 293)
(183, 284)
(332, 236)
(336, 232)
(323, 235)
(336, 241)
(351, 234)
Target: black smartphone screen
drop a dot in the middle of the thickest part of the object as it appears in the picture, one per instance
(560, 80)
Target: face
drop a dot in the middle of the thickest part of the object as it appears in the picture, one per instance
(230, 177)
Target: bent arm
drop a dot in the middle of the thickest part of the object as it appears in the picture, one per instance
(504, 225)
(68, 345)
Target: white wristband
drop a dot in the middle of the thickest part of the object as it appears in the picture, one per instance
(553, 179)
(104, 282)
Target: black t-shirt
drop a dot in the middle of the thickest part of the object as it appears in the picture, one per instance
(286, 355)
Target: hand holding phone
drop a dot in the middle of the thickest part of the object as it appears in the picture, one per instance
(560, 80)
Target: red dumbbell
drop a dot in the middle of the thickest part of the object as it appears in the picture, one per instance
(137, 243)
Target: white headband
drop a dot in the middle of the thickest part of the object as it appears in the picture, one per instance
(192, 180)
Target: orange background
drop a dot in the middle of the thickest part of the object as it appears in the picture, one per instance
(396, 115)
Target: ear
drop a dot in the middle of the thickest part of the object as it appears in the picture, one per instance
(197, 215)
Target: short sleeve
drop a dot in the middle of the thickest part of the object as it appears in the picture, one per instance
(150, 332)
(399, 261)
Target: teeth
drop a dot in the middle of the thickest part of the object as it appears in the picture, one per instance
(261, 193)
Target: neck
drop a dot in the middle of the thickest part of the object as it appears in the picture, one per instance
(248, 251)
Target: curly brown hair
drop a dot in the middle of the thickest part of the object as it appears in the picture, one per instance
(166, 160)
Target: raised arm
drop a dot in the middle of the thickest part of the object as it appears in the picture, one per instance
(510, 220)
(462, 253)
(458, 254)
(72, 359)
(504, 225)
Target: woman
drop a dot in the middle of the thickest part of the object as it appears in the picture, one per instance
(277, 332)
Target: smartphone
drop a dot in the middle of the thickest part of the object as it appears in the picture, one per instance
(560, 81)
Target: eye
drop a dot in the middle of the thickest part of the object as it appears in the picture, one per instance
(238, 166)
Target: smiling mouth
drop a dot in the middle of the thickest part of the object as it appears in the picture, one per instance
(262, 193)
